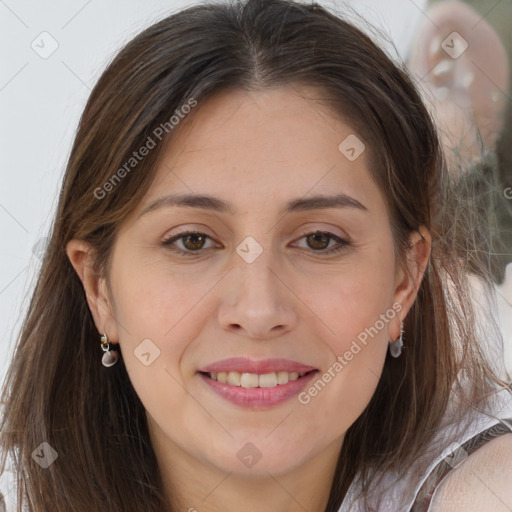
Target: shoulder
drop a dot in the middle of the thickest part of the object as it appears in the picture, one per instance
(481, 482)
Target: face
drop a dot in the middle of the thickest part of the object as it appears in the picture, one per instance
(269, 283)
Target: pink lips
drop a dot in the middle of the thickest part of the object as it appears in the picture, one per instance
(258, 398)
(245, 365)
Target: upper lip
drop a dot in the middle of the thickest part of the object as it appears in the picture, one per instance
(245, 365)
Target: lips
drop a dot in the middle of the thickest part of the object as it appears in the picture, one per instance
(257, 384)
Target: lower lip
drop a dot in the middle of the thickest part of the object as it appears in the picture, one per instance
(259, 398)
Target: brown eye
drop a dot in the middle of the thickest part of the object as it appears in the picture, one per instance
(191, 242)
(318, 240)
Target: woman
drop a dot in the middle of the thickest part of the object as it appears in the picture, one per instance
(250, 237)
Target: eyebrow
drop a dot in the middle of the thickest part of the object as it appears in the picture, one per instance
(206, 202)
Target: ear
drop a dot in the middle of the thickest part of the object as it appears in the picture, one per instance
(463, 67)
(408, 279)
(81, 256)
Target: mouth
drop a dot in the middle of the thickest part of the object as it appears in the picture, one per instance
(257, 391)
(255, 380)
(256, 384)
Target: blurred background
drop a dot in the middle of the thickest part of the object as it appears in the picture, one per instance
(53, 52)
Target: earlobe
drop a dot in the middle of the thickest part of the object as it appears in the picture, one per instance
(81, 256)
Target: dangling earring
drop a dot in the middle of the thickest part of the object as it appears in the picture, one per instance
(110, 356)
(395, 347)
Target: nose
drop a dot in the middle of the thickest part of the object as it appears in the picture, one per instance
(258, 303)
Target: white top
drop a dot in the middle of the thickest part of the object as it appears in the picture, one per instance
(398, 495)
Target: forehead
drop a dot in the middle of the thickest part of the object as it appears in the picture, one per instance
(275, 143)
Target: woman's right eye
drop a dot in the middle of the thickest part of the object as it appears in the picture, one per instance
(193, 242)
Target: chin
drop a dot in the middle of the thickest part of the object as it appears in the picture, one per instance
(258, 459)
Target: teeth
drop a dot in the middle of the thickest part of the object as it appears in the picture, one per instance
(282, 377)
(267, 380)
(254, 380)
(234, 378)
(248, 380)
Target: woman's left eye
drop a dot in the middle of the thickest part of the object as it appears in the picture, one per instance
(319, 239)
(194, 241)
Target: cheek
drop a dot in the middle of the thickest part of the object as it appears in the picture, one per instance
(355, 301)
(358, 313)
(160, 311)
(154, 300)
(158, 314)
(346, 384)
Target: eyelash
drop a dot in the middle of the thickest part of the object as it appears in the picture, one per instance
(167, 243)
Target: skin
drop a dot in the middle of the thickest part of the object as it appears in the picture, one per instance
(482, 482)
(258, 151)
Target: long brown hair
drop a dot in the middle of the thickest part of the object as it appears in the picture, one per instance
(58, 392)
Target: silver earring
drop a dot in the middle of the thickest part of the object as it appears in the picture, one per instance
(395, 347)
(110, 356)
